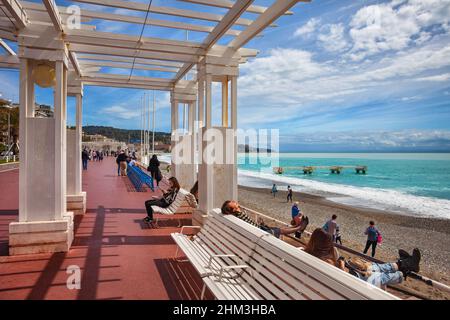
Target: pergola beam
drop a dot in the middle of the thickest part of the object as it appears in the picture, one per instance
(83, 57)
(35, 9)
(20, 19)
(107, 79)
(75, 63)
(9, 62)
(171, 11)
(7, 48)
(125, 52)
(127, 66)
(124, 85)
(125, 78)
(264, 20)
(54, 14)
(232, 15)
(113, 40)
(228, 4)
(8, 35)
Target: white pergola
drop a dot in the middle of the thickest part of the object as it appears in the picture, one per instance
(45, 34)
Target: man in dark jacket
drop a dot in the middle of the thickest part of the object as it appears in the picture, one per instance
(122, 157)
(153, 167)
(85, 158)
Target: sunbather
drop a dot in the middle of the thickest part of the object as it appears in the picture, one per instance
(232, 207)
(321, 246)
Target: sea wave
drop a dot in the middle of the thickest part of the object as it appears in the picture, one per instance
(392, 200)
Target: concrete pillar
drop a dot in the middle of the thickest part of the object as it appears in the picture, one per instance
(183, 149)
(225, 103)
(44, 225)
(234, 127)
(208, 98)
(205, 169)
(217, 180)
(201, 102)
(76, 198)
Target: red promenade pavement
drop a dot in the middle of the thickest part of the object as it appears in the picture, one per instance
(119, 256)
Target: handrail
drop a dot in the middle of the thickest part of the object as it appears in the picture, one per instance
(413, 275)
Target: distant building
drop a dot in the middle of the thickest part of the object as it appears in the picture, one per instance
(43, 111)
(100, 142)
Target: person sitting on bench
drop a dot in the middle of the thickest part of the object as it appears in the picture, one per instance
(166, 200)
(321, 246)
(232, 207)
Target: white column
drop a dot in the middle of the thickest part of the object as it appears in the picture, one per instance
(201, 102)
(206, 171)
(176, 119)
(175, 125)
(225, 103)
(234, 127)
(75, 197)
(78, 143)
(44, 225)
(234, 102)
(26, 111)
(208, 102)
(60, 141)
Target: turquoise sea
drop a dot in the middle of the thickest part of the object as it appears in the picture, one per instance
(409, 183)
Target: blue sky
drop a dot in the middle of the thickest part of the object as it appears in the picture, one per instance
(336, 75)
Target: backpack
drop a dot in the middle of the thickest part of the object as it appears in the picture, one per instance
(325, 226)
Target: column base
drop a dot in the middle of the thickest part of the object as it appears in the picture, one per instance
(77, 203)
(41, 236)
(198, 218)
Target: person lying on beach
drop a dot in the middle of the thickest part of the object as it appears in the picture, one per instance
(232, 207)
(321, 246)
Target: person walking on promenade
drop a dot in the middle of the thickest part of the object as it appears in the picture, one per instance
(121, 164)
(338, 235)
(85, 158)
(289, 194)
(274, 190)
(153, 167)
(330, 226)
(372, 237)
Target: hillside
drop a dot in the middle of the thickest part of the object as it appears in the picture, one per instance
(124, 135)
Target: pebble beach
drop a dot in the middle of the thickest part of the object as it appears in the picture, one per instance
(430, 235)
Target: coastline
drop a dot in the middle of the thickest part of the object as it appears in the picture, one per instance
(430, 235)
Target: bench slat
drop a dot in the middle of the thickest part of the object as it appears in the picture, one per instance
(329, 276)
(245, 255)
(273, 275)
(273, 261)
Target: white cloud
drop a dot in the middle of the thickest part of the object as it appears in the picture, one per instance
(334, 40)
(121, 112)
(407, 99)
(368, 139)
(438, 78)
(307, 28)
(295, 82)
(396, 25)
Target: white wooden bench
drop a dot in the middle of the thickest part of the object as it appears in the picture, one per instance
(178, 206)
(239, 261)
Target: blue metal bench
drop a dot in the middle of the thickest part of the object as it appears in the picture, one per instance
(133, 175)
(145, 178)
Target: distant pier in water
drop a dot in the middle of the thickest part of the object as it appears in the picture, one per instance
(311, 169)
